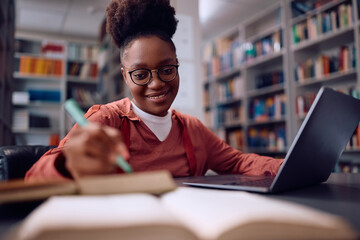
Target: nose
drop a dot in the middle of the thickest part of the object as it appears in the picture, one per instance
(155, 82)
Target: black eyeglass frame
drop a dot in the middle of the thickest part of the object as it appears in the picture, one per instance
(157, 71)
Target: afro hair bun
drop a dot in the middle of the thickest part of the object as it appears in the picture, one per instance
(125, 18)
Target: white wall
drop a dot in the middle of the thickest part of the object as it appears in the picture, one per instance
(188, 43)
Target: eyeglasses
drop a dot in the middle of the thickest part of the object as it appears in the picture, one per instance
(142, 76)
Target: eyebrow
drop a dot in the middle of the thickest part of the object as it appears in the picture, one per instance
(161, 63)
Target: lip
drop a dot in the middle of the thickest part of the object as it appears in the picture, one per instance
(157, 96)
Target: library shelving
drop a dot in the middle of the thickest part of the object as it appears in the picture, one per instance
(7, 25)
(46, 73)
(113, 83)
(245, 76)
(283, 56)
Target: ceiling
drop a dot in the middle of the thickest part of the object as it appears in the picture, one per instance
(82, 18)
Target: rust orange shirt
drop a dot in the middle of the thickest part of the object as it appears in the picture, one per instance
(148, 153)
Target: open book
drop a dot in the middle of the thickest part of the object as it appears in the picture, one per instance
(185, 213)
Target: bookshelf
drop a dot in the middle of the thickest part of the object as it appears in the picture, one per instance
(7, 24)
(283, 55)
(46, 73)
(112, 84)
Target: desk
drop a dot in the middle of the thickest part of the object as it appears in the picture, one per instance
(340, 195)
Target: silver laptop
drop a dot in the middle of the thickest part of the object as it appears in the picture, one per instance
(319, 143)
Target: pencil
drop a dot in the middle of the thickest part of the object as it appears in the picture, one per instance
(78, 115)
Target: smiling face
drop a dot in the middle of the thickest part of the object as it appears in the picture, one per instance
(152, 53)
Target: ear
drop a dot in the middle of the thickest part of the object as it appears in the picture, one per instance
(125, 76)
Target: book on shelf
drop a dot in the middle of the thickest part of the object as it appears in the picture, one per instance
(39, 66)
(236, 138)
(180, 214)
(333, 61)
(20, 120)
(83, 52)
(20, 97)
(269, 79)
(82, 96)
(344, 166)
(47, 48)
(232, 88)
(52, 49)
(304, 101)
(223, 55)
(267, 108)
(46, 95)
(270, 138)
(229, 115)
(264, 46)
(340, 17)
(83, 70)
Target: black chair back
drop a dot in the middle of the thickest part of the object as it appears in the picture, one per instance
(15, 161)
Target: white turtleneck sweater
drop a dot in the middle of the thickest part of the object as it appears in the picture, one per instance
(160, 126)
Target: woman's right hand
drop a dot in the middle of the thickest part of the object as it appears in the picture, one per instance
(93, 149)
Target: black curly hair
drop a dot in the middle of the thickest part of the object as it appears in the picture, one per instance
(127, 20)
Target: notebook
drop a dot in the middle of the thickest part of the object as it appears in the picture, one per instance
(319, 143)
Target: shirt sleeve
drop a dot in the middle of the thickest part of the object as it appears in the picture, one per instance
(51, 166)
(224, 159)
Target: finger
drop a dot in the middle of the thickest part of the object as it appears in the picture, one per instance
(90, 166)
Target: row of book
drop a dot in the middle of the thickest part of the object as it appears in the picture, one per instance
(209, 118)
(235, 138)
(52, 49)
(304, 101)
(232, 88)
(83, 97)
(27, 65)
(228, 58)
(269, 108)
(36, 95)
(302, 7)
(233, 53)
(23, 120)
(347, 167)
(231, 115)
(82, 70)
(337, 60)
(44, 48)
(269, 79)
(265, 46)
(272, 139)
(82, 52)
(337, 18)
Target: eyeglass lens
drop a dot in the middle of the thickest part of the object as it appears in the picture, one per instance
(165, 73)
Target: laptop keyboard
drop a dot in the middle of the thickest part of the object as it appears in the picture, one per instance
(266, 182)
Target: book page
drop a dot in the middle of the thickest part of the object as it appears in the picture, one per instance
(89, 215)
(211, 213)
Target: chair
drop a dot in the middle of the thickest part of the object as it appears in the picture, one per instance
(15, 161)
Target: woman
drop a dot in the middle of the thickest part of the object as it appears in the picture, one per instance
(145, 131)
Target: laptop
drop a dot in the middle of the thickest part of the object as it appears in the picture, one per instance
(319, 143)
